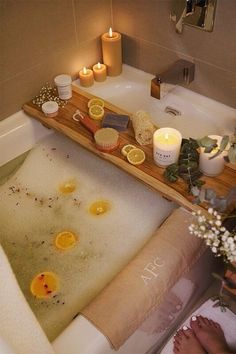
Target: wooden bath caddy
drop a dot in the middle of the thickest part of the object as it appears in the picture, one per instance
(148, 172)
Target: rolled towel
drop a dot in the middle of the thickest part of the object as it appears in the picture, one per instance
(143, 127)
(139, 289)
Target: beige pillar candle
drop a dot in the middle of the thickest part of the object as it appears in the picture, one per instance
(86, 77)
(100, 72)
(112, 52)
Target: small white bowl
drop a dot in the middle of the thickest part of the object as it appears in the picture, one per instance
(50, 109)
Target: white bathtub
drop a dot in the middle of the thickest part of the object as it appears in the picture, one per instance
(19, 133)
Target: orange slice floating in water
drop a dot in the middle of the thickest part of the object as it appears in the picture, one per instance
(44, 285)
(99, 207)
(67, 187)
(65, 240)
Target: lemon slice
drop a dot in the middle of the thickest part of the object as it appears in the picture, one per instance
(65, 240)
(96, 112)
(126, 149)
(95, 101)
(44, 285)
(136, 156)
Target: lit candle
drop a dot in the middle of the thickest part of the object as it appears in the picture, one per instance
(112, 52)
(100, 72)
(166, 146)
(214, 166)
(86, 77)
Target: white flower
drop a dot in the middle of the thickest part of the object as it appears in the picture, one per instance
(214, 249)
(210, 210)
(230, 240)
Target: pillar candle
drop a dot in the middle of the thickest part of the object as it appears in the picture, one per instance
(214, 166)
(86, 77)
(166, 146)
(100, 72)
(112, 52)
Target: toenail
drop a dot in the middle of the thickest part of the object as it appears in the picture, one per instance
(185, 328)
(194, 318)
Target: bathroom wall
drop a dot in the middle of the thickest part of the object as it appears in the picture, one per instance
(42, 38)
(150, 43)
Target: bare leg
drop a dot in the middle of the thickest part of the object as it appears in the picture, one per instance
(185, 342)
(210, 335)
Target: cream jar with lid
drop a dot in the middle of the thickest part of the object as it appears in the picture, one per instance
(50, 109)
(63, 83)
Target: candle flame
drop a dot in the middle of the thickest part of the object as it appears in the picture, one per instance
(99, 65)
(166, 136)
(84, 70)
(110, 32)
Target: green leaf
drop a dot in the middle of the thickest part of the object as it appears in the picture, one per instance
(232, 154)
(223, 144)
(207, 142)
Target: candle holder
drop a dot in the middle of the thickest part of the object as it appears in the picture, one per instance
(166, 146)
(215, 166)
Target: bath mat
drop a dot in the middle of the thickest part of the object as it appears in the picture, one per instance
(227, 320)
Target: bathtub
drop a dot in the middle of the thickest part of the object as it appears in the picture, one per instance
(18, 134)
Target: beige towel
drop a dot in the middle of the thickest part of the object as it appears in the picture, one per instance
(143, 127)
(18, 325)
(139, 289)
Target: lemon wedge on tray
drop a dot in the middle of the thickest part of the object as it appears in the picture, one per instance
(95, 101)
(136, 156)
(126, 149)
(96, 112)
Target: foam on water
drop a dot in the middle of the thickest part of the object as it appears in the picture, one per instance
(33, 211)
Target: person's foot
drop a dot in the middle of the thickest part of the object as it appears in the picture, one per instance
(210, 335)
(185, 342)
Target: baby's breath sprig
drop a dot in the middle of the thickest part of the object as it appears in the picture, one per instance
(48, 93)
(216, 236)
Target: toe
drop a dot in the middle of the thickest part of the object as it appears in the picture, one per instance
(194, 323)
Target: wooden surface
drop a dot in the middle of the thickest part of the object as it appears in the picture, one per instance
(148, 172)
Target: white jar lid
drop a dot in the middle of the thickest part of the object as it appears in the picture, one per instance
(50, 107)
(63, 80)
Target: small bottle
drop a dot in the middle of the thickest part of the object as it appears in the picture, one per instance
(50, 109)
(63, 83)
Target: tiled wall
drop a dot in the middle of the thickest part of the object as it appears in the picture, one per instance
(151, 44)
(40, 39)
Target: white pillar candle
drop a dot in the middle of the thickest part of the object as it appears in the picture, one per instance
(214, 166)
(166, 146)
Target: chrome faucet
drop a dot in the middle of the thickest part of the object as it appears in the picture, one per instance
(180, 73)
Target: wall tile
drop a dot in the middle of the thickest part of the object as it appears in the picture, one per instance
(146, 25)
(32, 30)
(92, 18)
(25, 85)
